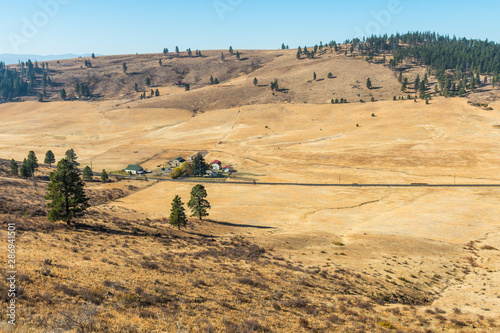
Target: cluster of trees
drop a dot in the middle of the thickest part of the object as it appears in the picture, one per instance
(81, 89)
(198, 204)
(317, 48)
(152, 93)
(274, 85)
(88, 63)
(337, 101)
(197, 169)
(14, 83)
(213, 80)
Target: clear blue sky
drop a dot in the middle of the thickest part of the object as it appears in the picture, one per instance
(118, 27)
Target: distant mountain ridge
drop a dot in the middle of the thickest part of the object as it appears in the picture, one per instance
(10, 59)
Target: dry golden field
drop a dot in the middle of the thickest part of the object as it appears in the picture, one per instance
(270, 258)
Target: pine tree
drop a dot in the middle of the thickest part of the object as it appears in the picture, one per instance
(330, 75)
(93, 56)
(14, 168)
(25, 169)
(198, 204)
(104, 176)
(87, 173)
(199, 167)
(298, 54)
(148, 81)
(255, 81)
(231, 50)
(124, 67)
(165, 51)
(157, 93)
(63, 94)
(190, 54)
(238, 55)
(32, 163)
(211, 79)
(177, 214)
(49, 158)
(136, 87)
(222, 58)
(314, 76)
(159, 62)
(187, 86)
(216, 81)
(71, 157)
(66, 193)
(177, 50)
(368, 83)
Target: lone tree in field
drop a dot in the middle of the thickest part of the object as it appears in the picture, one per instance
(66, 194)
(177, 216)
(71, 157)
(368, 83)
(124, 67)
(148, 81)
(231, 50)
(14, 168)
(330, 75)
(177, 50)
(198, 204)
(314, 76)
(222, 56)
(49, 158)
(255, 81)
(87, 173)
(104, 176)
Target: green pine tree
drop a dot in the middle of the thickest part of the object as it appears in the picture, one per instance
(104, 176)
(255, 81)
(25, 169)
(66, 193)
(314, 76)
(124, 67)
(148, 81)
(32, 162)
(199, 167)
(368, 83)
(198, 204)
(14, 168)
(87, 173)
(49, 158)
(177, 215)
(63, 94)
(71, 157)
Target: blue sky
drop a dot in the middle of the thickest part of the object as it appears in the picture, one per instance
(120, 27)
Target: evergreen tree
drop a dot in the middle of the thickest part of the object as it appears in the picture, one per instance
(136, 87)
(222, 58)
(404, 85)
(157, 93)
(40, 97)
(25, 169)
(71, 157)
(177, 50)
(199, 167)
(165, 51)
(177, 214)
(32, 163)
(148, 81)
(159, 62)
(216, 81)
(87, 173)
(66, 193)
(63, 94)
(314, 76)
(231, 50)
(198, 204)
(298, 54)
(124, 67)
(93, 56)
(49, 158)
(255, 81)
(187, 86)
(368, 83)
(238, 55)
(104, 176)
(14, 168)
(77, 89)
(190, 54)
(211, 79)
(330, 75)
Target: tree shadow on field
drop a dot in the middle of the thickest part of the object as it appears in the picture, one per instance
(228, 224)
